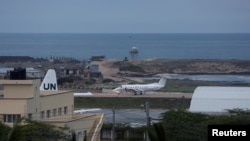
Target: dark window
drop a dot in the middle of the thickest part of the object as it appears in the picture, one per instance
(65, 110)
(48, 113)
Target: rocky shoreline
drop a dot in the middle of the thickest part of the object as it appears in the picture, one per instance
(146, 67)
(193, 66)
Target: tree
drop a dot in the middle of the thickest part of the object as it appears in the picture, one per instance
(157, 133)
(181, 125)
(4, 130)
(73, 136)
(36, 131)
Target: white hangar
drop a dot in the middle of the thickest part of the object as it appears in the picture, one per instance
(216, 99)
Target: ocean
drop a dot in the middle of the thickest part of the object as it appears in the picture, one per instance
(118, 46)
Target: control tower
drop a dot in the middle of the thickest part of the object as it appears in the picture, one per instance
(134, 53)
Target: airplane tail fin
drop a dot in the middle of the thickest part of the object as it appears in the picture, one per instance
(49, 82)
(162, 81)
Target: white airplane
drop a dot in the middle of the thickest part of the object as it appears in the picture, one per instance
(142, 88)
(49, 82)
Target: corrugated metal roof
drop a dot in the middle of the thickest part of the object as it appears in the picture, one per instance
(220, 99)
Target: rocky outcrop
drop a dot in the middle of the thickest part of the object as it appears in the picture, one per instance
(189, 66)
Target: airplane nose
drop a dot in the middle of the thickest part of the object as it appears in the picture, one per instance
(117, 90)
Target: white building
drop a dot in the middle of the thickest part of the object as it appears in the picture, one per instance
(34, 73)
(213, 99)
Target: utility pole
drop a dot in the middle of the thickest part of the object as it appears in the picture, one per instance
(113, 127)
(147, 118)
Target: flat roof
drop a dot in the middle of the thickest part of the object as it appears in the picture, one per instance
(16, 82)
(48, 93)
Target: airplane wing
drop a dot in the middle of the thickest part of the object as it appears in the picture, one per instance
(82, 94)
(86, 110)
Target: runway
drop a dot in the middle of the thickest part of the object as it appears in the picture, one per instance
(148, 94)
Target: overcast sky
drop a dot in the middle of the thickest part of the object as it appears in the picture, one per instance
(124, 16)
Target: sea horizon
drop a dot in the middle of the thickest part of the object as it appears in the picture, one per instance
(118, 45)
(124, 32)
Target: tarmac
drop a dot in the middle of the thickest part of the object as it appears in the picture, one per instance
(147, 94)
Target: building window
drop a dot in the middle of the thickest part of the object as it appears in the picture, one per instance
(9, 118)
(12, 118)
(29, 116)
(59, 111)
(54, 112)
(4, 118)
(78, 136)
(65, 110)
(42, 115)
(48, 113)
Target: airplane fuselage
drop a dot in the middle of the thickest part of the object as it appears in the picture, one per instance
(141, 88)
(138, 87)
